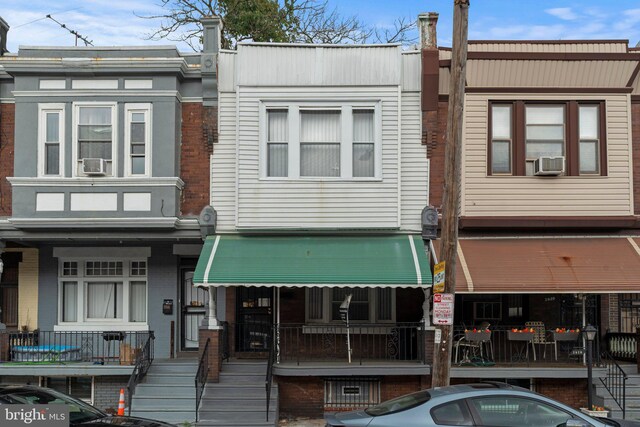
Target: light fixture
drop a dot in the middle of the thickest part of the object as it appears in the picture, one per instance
(591, 332)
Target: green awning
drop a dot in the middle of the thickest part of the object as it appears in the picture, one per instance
(399, 261)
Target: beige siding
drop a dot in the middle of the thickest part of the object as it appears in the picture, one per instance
(414, 164)
(614, 46)
(223, 164)
(444, 81)
(309, 65)
(27, 287)
(510, 73)
(411, 68)
(226, 71)
(312, 203)
(546, 196)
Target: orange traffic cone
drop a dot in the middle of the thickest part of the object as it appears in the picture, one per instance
(121, 403)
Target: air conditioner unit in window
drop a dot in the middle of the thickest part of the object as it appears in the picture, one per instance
(549, 166)
(94, 166)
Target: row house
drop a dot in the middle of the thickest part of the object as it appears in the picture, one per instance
(105, 167)
(549, 205)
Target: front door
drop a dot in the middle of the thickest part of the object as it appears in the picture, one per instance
(254, 319)
(9, 290)
(193, 310)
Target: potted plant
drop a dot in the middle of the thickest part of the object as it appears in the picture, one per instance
(596, 411)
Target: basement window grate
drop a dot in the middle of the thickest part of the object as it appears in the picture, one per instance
(346, 392)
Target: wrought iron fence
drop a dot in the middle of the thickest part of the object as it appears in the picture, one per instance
(143, 362)
(202, 374)
(369, 342)
(102, 347)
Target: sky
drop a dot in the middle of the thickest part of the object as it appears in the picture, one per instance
(114, 22)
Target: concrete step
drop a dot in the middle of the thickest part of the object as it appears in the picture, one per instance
(173, 417)
(169, 379)
(237, 417)
(163, 390)
(185, 369)
(176, 402)
(239, 378)
(236, 391)
(245, 367)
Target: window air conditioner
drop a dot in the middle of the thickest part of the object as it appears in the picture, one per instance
(94, 166)
(549, 166)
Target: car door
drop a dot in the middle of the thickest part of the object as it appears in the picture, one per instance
(454, 413)
(516, 411)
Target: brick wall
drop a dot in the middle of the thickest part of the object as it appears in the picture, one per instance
(7, 115)
(435, 153)
(195, 155)
(635, 140)
(571, 392)
(106, 392)
(613, 312)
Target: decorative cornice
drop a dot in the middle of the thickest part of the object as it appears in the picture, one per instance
(96, 182)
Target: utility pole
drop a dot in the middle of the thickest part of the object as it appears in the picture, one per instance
(451, 195)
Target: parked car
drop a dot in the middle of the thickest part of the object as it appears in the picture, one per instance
(80, 413)
(485, 404)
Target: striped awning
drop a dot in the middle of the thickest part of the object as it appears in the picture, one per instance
(346, 261)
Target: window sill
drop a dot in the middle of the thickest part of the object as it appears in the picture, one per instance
(319, 179)
(100, 327)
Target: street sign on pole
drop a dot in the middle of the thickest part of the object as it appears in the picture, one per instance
(443, 309)
(438, 277)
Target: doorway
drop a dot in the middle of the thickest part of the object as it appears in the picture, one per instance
(254, 319)
(9, 289)
(192, 310)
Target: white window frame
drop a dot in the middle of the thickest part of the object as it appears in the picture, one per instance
(346, 141)
(43, 110)
(129, 109)
(326, 308)
(114, 136)
(84, 323)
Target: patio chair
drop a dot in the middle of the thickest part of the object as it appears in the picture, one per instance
(540, 337)
(473, 350)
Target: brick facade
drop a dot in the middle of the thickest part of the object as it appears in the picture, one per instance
(571, 392)
(7, 127)
(106, 392)
(635, 142)
(195, 154)
(435, 152)
(215, 355)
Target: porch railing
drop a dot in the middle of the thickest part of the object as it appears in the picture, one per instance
(615, 382)
(369, 342)
(96, 347)
(622, 346)
(268, 383)
(202, 374)
(144, 359)
(502, 350)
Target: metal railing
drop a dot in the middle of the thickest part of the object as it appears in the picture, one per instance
(96, 347)
(622, 346)
(343, 393)
(225, 350)
(143, 362)
(500, 349)
(369, 342)
(615, 382)
(268, 383)
(202, 374)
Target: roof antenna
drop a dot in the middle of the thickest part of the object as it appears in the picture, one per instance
(74, 32)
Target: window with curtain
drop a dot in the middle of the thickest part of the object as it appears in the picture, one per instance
(94, 134)
(363, 143)
(277, 143)
(320, 136)
(544, 133)
(105, 290)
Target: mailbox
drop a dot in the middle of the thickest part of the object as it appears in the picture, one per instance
(167, 306)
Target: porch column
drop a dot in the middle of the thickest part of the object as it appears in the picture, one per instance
(211, 330)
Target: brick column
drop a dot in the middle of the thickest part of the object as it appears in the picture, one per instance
(429, 346)
(4, 346)
(215, 355)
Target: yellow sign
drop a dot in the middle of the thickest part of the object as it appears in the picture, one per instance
(438, 277)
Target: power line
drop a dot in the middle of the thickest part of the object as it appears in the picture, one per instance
(86, 41)
(44, 17)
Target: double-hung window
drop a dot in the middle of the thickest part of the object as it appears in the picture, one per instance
(51, 140)
(95, 131)
(137, 137)
(521, 132)
(310, 141)
(102, 292)
(368, 305)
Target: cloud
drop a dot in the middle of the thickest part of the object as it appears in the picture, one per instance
(564, 13)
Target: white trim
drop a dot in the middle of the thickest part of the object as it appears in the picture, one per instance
(138, 83)
(102, 253)
(99, 327)
(96, 182)
(43, 110)
(92, 84)
(49, 202)
(136, 202)
(129, 110)
(147, 222)
(52, 84)
(114, 134)
(416, 264)
(465, 269)
(211, 256)
(66, 93)
(93, 202)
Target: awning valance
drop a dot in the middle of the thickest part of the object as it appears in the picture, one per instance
(348, 261)
(548, 265)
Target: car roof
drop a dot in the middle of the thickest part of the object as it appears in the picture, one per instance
(475, 387)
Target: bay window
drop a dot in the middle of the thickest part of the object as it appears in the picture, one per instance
(102, 293)
(522, 131)
(316, 141)
(94, 130)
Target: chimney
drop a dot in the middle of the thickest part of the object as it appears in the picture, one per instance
(427, 23)
(4, 29)
(211, 28)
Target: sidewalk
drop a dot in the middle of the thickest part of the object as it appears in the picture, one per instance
(302, 422)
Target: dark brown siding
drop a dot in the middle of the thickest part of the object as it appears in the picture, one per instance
(435, 152)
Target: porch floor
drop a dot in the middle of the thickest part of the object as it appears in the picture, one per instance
(527, 370)
(343, 367)
(67, 369)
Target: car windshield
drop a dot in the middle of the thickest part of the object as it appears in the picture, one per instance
(399, 404)
(79, 411)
